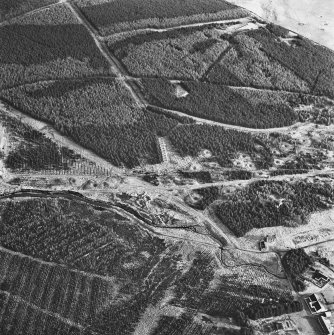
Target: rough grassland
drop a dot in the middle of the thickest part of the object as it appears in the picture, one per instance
(47, 47)
(125, 15)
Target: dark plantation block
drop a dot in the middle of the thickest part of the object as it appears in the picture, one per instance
(218, 103)
(121, 15)
(111, 124)
(7, 321)
(10, 8)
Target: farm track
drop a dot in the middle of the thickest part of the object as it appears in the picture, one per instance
(242, 182)
(245, 20)
(225, 125)
(220, 57)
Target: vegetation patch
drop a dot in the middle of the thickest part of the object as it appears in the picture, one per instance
(98, 114)
(72, 233)
(35, 151)
(218, 103)
(200, 176)
(312, 63)
(207, 196)
(247, 64)
(175, 54)
(190, 140)
(272, 203)
(119, 15)
(10, 8)
(33, 51)
(295, 263)
(123, 271)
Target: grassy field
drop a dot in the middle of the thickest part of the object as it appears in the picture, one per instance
(98, 114)
(118, 15)
(48, 46)
(182, 53)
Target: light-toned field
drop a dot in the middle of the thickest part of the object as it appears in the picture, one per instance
(311, 18)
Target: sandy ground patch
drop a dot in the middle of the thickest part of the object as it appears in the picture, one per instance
(311, 18)
(320, 228)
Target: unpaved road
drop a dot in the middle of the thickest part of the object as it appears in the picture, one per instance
(242, 21)
(115, 65)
